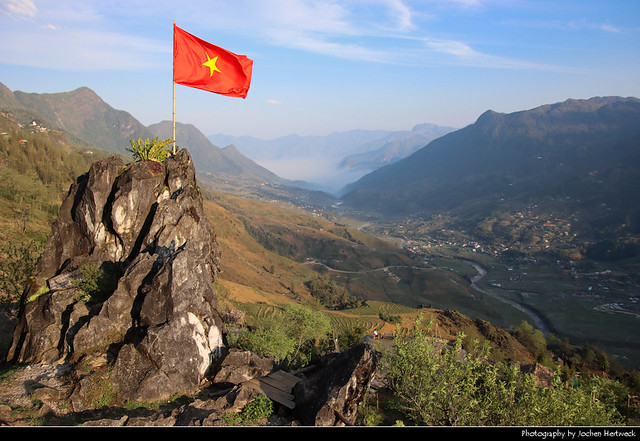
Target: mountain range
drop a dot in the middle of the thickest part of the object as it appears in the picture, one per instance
(577, 156)
(582, 155)
(81, 114)
(393, 147)
(330, 162)
(578, 160)
(87, 120)
(211, 159)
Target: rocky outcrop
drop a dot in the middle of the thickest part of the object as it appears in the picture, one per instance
(121, 307)
(542, 375)
(331, 393)
(126, 279)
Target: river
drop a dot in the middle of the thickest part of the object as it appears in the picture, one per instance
(482, 272)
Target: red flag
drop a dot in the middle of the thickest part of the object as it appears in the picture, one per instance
(203, 65)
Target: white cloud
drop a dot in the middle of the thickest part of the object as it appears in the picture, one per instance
(354, 30)
(73, 35)
(323, 44)
(314, 17)
(569, 25)
(18, 8)
(451, 47)
(273, 102)
(609, 28)
(466, 3)
(80, 49)
(402, 15)
(91, 34)
(584, 24)
(460, 53)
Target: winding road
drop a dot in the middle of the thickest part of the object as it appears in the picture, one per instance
(314, 262)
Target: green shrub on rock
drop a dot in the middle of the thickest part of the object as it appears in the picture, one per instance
(150, 149)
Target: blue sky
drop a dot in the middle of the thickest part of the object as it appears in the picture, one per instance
(327, 66)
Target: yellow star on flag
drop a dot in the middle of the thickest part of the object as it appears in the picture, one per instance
(211, 64)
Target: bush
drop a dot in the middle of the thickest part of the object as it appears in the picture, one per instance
(393, 319)
(533, 340)
(261, 407)
(289, 337)
(268, 339)
(95, 284)
(437, 383)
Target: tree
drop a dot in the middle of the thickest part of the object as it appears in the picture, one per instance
(532, 339)
(267, 340)
(330, 294)
(16, 266)
(436, 384)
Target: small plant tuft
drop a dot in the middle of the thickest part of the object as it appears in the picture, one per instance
(261, 407)
(149, 149)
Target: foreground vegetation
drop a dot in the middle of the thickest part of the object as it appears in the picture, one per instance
(434, 383)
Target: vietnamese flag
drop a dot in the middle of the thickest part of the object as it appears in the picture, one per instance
(205, 66)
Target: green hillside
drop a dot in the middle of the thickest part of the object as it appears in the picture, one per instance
(547, 200)
(37, 165)
(84, 116)
(271, 254)
(85, 119)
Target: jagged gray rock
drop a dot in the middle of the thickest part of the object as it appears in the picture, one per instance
(331, 393)
(152, 314)
(240, 366)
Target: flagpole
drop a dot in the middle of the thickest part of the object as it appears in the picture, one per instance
(174, 118)
(174, 94)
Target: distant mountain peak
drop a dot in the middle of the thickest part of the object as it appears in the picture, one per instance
(231, 148)
(545, 152)
(82, 115)
(214, 162)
